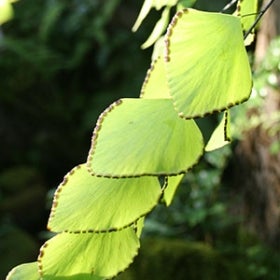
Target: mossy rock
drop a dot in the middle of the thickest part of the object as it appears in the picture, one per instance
(167, 259)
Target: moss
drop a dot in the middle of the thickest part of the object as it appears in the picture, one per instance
(167, 259)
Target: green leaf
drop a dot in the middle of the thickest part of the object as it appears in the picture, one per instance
(26, 271)
(247, 11)
(158, 4)
(155, 83)
(147, 6)
(186, 3)
(139, 225)
(207, 64)
(159, 28)
(172, 185)
(136, 137)
(88, 255)
(221, 135)
(6, 11)
(158, 49)
(87, 203)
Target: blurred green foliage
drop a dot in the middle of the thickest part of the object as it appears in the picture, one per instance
(269, 69)
(18, 246)
(164, 258)
(22, 215)
(267, 75)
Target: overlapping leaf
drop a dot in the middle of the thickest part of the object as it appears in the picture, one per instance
(207, 65)
(136, 137)
(147, 6)
(139, 225)
(172, 184)
(221, 135)
(88, 256)
(155, 83)
(28, 271)
(87, 203)
(247, 11)
(158, 30)
(158, 49)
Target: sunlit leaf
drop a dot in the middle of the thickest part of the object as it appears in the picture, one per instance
(221, 135)
(158, 4)
(185, 4)
(88, 255)
(139, 225)
(136, 137)
(159, 28)
(84, 202)
(147, 6)
(247, 11)
(26, 271)
(172, 185)
(207, 64)
(158, 49)
(155, 83)
(6, 11)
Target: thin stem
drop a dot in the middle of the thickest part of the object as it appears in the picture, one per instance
(261, 13)
(229, 5)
